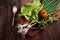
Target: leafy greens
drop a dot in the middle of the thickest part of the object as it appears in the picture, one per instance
(31, 11)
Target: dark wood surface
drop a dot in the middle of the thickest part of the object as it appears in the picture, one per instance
(7, 32)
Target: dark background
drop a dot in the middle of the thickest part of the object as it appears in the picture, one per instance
(7, 32)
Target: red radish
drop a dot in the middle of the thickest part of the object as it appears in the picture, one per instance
(23, 20)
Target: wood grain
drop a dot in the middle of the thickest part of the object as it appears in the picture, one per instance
(51, 32)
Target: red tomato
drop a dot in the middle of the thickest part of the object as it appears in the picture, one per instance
(23, 20)
(43, 13)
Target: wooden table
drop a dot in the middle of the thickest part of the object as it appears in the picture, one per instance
(52, 32)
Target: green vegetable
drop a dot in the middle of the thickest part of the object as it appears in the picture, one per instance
(31, 11)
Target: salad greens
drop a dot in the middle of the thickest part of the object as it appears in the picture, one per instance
(31, 11)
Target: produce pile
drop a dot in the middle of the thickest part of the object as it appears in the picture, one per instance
(38, 12)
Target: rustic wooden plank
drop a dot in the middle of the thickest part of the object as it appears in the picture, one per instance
(6, 13)
(23, 2)
(1, 23)
(29, 0)
(52, 32)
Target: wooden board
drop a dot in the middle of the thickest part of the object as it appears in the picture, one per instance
(52, 32)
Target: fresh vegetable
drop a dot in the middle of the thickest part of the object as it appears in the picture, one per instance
(23, 20)
(43, 13)
(31, 11)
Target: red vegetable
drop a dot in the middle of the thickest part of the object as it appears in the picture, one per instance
(43, 13)
(23, 20)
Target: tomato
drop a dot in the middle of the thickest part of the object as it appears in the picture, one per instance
(43, 13)
(23, 20)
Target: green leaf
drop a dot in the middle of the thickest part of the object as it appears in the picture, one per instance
(28, 12)
(50, 6)
(36, 3)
